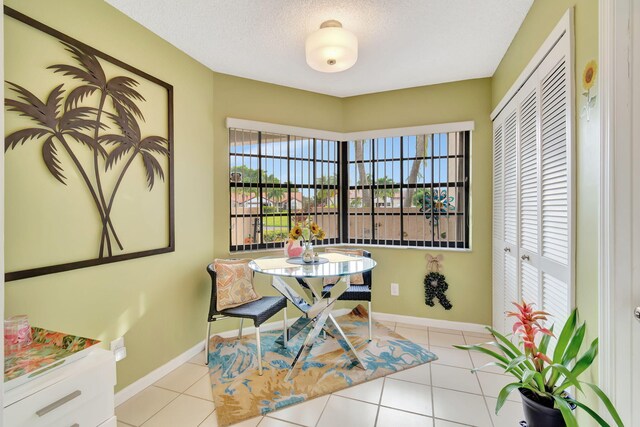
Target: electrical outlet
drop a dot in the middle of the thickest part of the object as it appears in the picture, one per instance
(395, 289)
(118, 349)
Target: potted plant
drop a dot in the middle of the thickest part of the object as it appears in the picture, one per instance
(543, 379)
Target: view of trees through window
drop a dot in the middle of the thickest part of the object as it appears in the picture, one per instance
(409, 190)
(403, 191)
(278, 180)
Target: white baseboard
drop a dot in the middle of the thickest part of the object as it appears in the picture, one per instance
(435, 323)
(136, 387)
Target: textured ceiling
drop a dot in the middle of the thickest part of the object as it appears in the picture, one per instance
(403, 43)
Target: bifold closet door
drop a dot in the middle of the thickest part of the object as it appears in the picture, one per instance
(505, 217)
(498, 225)
(529, 193)
(557, 243)
(533, 201)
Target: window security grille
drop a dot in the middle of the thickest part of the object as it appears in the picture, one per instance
(277, 180)
(409, 191)
(403, 191)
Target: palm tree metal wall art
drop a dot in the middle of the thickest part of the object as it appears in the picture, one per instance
(74, 117)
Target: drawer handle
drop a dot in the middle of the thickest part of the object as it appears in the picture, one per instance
(69, 397)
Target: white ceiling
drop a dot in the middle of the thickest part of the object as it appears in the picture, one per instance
(402, 43)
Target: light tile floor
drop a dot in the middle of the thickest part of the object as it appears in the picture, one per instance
(443, 393)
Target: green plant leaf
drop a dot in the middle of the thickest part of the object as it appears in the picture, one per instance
(515, 362)
(528, 376)
(565, 336)
(544, 342)
(567, 413)
(574, 345)
(570, 380)
(590, 411)
(501, 365)
(586, 359)
(509, 348)
(504, 393)
(607, 404)
(484, 350)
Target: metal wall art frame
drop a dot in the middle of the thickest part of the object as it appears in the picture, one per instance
(100, 111)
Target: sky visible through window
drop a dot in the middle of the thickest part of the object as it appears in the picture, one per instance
(385, 150)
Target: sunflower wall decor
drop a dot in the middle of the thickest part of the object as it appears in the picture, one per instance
(89, 155)
(588, 81)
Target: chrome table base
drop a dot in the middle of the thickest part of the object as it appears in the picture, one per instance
(318, 313)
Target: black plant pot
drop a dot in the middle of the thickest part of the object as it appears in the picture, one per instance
(539, 415)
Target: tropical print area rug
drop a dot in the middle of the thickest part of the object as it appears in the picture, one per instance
(240, 393)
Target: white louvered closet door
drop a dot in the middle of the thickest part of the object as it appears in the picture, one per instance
(498, 224)
(556, 184)
(533, 206)
(529, 197)
(510, 250)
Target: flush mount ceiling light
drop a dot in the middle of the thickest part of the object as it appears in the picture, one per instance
(332, 48)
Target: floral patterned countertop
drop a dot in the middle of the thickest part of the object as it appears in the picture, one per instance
(49, 349)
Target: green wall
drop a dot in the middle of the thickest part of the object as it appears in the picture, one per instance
(541, 19)
(468, 273)
(158, 303)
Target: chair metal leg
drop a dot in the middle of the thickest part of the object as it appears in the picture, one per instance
(259, 350)
(285, 334)
(206, 352)
(240, 330)
(370, 337)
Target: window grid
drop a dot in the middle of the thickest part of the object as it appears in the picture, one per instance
(356, 190)
(444, 171)
(260, 217)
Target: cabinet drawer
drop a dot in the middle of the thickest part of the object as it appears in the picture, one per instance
(85, 399)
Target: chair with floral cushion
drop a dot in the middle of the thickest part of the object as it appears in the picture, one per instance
(359, 284)
(233, 295)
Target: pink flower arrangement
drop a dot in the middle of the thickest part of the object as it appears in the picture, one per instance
(528, 326)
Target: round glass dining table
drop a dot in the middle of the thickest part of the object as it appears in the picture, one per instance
(315, 305)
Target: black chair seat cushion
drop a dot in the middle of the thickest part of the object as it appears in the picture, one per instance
(259, 311)
(353, 293)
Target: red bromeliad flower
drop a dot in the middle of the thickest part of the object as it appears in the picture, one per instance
(527, 327)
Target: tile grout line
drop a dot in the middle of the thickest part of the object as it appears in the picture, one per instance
(484, 398)
(323, 409)
(264, 417)
(384, 380)
(205, 418)
(158, 411)
(433, 402)
(185, 390)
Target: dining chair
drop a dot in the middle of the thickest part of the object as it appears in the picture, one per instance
(259, 311)
(355, 292)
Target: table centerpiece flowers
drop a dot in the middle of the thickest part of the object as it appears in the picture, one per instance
(300, 237)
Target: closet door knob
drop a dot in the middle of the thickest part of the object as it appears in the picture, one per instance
(507, 249)
(525, 257)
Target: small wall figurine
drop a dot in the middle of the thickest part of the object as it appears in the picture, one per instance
(588, 80)
(435, 284)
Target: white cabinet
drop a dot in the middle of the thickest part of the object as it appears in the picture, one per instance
(79, 394)
(533, 242)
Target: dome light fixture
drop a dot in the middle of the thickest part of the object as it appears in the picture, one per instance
(332, 48)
